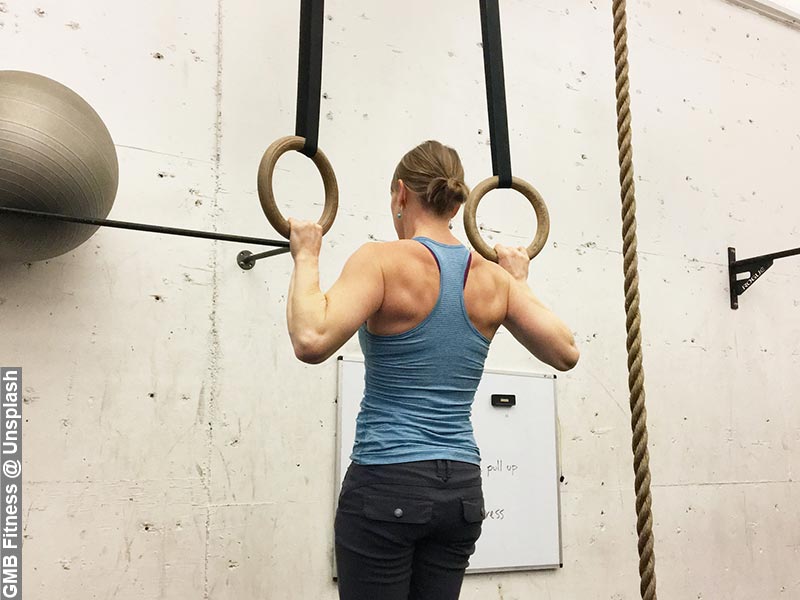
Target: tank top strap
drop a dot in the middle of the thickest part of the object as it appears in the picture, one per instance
(453, 260)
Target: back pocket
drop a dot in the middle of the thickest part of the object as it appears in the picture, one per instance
(397, 509)
(474, 511)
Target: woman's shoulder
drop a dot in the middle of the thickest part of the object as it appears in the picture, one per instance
(395, 248)
(390, 252)
(490, 268)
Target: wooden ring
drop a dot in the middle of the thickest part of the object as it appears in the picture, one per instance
(524, 188)
(267, 195)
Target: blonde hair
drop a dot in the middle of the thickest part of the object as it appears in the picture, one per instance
(434, 172)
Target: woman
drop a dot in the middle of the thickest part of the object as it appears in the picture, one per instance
(425, 309)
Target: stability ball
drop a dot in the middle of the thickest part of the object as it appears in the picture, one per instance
(56, 155)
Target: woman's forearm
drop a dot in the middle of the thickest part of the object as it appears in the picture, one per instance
(305, 307)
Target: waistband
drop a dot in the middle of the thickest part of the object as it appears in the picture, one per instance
(423, 473)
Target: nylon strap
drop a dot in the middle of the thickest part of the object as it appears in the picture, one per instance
(496, 91)
(309, 73)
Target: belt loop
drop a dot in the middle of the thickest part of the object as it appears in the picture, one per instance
(441, 472)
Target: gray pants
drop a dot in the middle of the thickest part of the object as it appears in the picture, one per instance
(406, 531)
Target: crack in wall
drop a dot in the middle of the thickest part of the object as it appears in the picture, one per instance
(214, 341)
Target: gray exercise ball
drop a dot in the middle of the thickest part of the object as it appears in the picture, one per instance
(56, 155)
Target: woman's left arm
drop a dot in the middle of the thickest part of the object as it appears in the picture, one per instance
(320, 323)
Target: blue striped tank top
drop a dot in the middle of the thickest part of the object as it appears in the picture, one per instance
(419, 385)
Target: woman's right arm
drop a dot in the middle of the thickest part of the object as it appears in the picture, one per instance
(530, 322)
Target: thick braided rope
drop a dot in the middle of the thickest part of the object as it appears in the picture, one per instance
(641, 457)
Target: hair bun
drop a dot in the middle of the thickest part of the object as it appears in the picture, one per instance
(435, 174)
(445, 193)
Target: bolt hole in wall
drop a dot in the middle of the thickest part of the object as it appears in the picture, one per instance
(170, 434)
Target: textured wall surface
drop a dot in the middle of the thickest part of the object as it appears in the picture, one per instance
(175, 449)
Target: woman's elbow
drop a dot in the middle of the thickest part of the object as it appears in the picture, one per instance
(568, 358)
(311, 358)
(309, 349)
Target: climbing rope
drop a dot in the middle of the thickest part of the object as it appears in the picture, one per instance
(641, 457)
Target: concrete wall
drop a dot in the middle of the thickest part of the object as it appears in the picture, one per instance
(174, 448)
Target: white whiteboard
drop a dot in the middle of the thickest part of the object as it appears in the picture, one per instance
(519, 463)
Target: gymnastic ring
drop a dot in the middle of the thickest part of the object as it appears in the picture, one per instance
(524, 188)
(267, 195)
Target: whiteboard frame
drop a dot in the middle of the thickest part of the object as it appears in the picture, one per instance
(339, 474)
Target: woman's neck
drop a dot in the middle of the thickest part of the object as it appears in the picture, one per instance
(439, 232)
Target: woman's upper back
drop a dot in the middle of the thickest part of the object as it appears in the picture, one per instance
(412, 283)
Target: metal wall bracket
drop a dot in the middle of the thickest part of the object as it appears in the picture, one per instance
(754, 268)
(247, 260)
